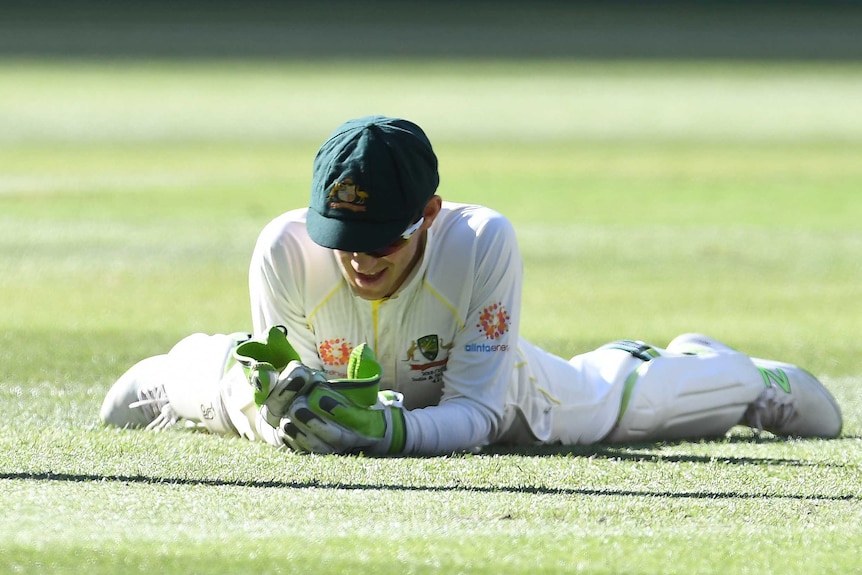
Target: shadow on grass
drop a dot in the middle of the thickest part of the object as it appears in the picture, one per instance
(520, 489)
(655, 452)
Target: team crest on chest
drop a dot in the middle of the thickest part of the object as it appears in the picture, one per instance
(428, 348)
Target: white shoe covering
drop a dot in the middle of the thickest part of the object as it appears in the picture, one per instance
(184, 383)
(142, 379)
(794, 403)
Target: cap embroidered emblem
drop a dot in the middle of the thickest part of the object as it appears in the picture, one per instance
(347, 195)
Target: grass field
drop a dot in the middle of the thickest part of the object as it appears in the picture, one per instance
(650, 199)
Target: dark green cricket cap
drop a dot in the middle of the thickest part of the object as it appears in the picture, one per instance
(372, 178)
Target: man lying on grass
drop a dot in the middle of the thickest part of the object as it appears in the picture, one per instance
(386, 322)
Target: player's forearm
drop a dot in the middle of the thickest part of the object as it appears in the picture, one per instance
(456, 425)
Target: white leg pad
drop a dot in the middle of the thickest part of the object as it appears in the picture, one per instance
(193, 386)
(237, 396)
(687, 397)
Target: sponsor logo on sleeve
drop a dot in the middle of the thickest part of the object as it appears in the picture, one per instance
(493, 323)
(334, 353)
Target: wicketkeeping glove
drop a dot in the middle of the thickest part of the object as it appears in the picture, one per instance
(274, 370)
(348, 415)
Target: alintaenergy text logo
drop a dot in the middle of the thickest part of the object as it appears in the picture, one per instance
(494, 321)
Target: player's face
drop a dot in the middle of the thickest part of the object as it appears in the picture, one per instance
(372, 277)
(378, 275)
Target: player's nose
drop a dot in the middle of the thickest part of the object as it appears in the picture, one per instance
(363, 263)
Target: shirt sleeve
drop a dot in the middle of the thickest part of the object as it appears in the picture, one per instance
(479, 371)
(277, 269)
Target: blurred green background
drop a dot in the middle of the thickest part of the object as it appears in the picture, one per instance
(668, 167)
(729, 29)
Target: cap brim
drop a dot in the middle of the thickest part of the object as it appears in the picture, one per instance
(352, 235)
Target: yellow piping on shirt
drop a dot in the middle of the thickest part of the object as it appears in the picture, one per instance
(375, 321)
(320, 305)
(544, 392)
(445, 303)
(550, 397)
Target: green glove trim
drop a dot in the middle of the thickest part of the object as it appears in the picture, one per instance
(335, 404)
(262, 361)
(385, 426)
(276, 350)
(363, 364)
(363, 377)
(399, 431)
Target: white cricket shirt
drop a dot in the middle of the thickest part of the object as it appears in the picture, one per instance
(447, 339)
